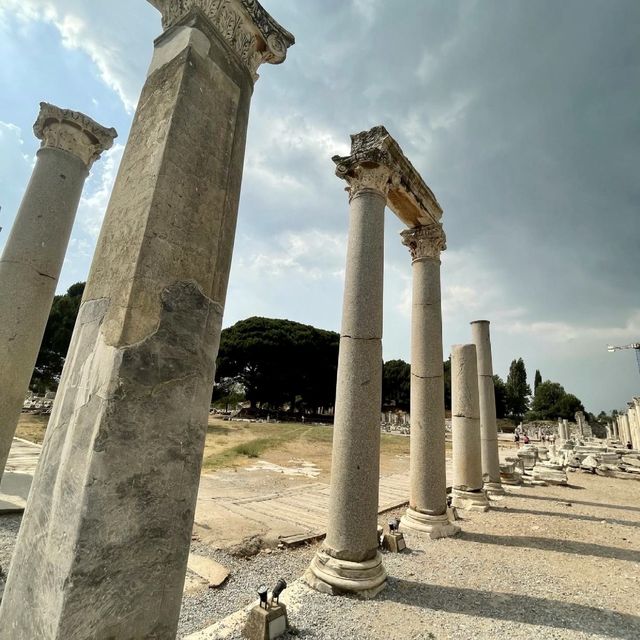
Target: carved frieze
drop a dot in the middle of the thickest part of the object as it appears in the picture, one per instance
(425, 242)
(248, 29)
(73, 132)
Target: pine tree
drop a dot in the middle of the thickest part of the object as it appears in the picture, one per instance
(518, 391)
(536, 381)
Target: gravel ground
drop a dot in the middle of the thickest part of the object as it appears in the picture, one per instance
(547, 562)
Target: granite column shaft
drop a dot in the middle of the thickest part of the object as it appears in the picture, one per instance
(349, 560)
(427, 512)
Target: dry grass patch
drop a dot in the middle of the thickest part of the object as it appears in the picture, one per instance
(32, 427)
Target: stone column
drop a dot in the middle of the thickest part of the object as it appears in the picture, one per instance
(488, 427)
(636, 409)
(427, 512)
(465, 425)
(567, 431)
(103, 547)
(33, 255)
(633, 425)
(626, 425)
(349, 560)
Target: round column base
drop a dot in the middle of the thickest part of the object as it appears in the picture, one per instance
(329, 575)
(433, 527)
(470, 500)
(494, 489)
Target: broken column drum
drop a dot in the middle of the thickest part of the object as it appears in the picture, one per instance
(33, 255)
(103, 548)
(427, 512)
(467, 492)
(480, 336)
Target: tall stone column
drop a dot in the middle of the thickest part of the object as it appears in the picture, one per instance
(349, 560)
(633, 425)
(636, 410)
(465, 423)
(480, 336)
(567, 430)
(102, 552)
(427, 512)
(33, 255)
(626, 423)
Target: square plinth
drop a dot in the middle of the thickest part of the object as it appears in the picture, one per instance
(266, 624)
(394, 542)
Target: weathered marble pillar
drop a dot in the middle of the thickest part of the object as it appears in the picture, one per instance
(567, 430)
(633, 425)
(427, 512)
(349, 560)
(102, 552)
(480, 336)
(33, 255)
(467, 489)
(636, 410)
(626, 424)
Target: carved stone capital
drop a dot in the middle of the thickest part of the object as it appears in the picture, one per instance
(371, 176)
(407, 194)
(247, 28)
(72, 131)
(426, 242)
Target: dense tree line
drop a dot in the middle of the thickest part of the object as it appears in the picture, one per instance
(274, 363)
(56, 339)
(280, 362)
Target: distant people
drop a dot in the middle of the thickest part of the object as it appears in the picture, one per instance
(542, 438)
(526, 439)
(629, 445)
(516, 439)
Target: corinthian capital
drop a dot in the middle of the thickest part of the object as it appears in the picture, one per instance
(73, 132)
(247, 28)
(426, 242)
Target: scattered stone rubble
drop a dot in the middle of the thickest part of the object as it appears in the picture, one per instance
(535, 465)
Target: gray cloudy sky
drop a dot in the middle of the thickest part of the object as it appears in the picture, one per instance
(522, 116)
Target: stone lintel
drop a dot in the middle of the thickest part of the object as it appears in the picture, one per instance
(72, 131)
(408, 195)
(244, 24)
(425, 242)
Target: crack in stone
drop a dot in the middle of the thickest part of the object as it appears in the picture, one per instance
(354, 338)
(415, 375)
(30, 266)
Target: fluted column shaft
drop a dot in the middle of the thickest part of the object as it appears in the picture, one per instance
(33, 255)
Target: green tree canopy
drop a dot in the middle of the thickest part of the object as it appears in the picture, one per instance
(56, 339)
(396, 380)
(552, 401)
(500, 390)
(536, 381)
(518, 391)
(279, 361)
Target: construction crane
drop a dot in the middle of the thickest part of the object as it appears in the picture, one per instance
(634, 345)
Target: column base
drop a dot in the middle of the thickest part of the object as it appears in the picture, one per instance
(338, 577)
(494, 489)
(433, 526)
(470, 500)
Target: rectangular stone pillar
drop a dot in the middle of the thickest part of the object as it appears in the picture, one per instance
(103, 548)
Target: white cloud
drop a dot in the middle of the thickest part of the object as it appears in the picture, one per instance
(93, 203)
(93, 29)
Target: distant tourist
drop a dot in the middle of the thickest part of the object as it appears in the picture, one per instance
(526, 439)
(629, 445)
(516, 439)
